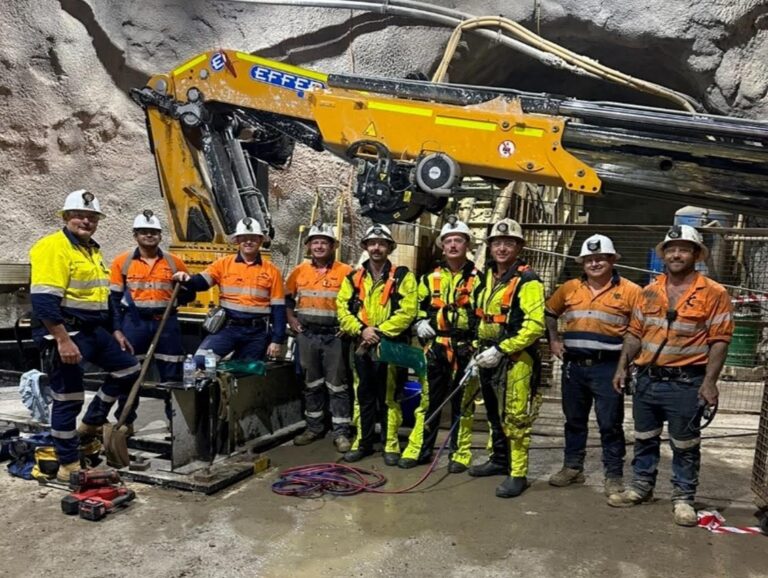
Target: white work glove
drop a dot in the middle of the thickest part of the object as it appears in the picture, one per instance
(424, 329)
(488, 358)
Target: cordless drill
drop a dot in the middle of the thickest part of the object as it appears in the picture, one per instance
(84, 479)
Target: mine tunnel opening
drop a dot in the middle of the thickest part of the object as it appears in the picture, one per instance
(664, 61)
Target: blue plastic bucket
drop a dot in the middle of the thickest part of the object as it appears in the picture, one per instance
(410, 401)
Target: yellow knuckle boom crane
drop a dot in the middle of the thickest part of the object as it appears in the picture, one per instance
(217, 122)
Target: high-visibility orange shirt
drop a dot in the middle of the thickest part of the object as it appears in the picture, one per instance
(312, 292)
(248, 289)
(704, 315)
(594, 322)
(150, 284)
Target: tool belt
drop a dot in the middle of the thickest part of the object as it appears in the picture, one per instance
(686, 373)
(592, 359)
(250, 322)
(320, 329)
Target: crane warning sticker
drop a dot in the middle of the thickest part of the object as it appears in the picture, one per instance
(506, 149)
(294, 82)
(371, 130)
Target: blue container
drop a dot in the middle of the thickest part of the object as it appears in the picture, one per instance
(655, 264)
(698, 217)
(410, 401)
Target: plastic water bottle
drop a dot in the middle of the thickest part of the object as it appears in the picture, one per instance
(190, 369)
(210, 364)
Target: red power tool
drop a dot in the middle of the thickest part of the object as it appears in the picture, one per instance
(95, 503)
(84, 479)
(95, 494)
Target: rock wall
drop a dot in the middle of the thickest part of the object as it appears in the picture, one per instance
(66, 66)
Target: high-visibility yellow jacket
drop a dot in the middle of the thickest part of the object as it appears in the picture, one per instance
(389, 304)
(511, 310)
(69, 279)
(448, 298)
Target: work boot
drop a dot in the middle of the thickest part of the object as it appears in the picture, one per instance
(357, 455)
(391, 458)
(628, 498)
(685, 514)
(566, 476)
(613, 486)
(489, 468)
(306, 437)
(456, 467)
(512, 487)
(65, 470)
(408, 463)
(342, 444)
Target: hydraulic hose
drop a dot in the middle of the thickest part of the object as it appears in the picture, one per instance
(530, 44)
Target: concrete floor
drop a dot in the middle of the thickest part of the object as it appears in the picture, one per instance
(452, 525)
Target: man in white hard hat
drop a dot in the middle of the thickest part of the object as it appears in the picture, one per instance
(72, 324)
(510, 308)
(311, 291)
(141, 286)
(251, 293)
(447, 323)
(678, 339)
(596, 309)
(377, 300)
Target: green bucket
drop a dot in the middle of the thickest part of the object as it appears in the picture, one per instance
(746, 336)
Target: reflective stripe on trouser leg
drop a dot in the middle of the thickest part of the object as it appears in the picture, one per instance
(355, 411)
(314, 392)
(122, 369)
(334, 368)
(463, 452)
(394, 413)
(66, 381)
(517, 419)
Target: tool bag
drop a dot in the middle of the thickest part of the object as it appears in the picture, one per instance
(34, 457)
(215, 320)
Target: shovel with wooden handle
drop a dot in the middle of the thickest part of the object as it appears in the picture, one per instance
(115, 436)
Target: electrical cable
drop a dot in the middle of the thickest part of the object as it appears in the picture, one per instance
(339, 479)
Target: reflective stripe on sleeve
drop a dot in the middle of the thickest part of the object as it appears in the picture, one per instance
(47, 290)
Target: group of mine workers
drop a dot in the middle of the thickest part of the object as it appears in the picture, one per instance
(671, 337)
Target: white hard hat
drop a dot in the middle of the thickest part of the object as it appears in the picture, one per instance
(506, 228)
(147, 220)
(81, 200)
(452, 227)
(684, 233)
(246, 226)
(597, 245)
(321, 230)
(377, 231)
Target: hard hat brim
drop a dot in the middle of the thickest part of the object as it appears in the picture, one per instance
(310, 237)
(390, 241)
(703, 253)
(580, 258)
(439, 240)
(61, 212)
(233, 238)
(491, 238)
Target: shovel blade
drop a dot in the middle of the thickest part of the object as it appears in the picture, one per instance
(116, 446)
